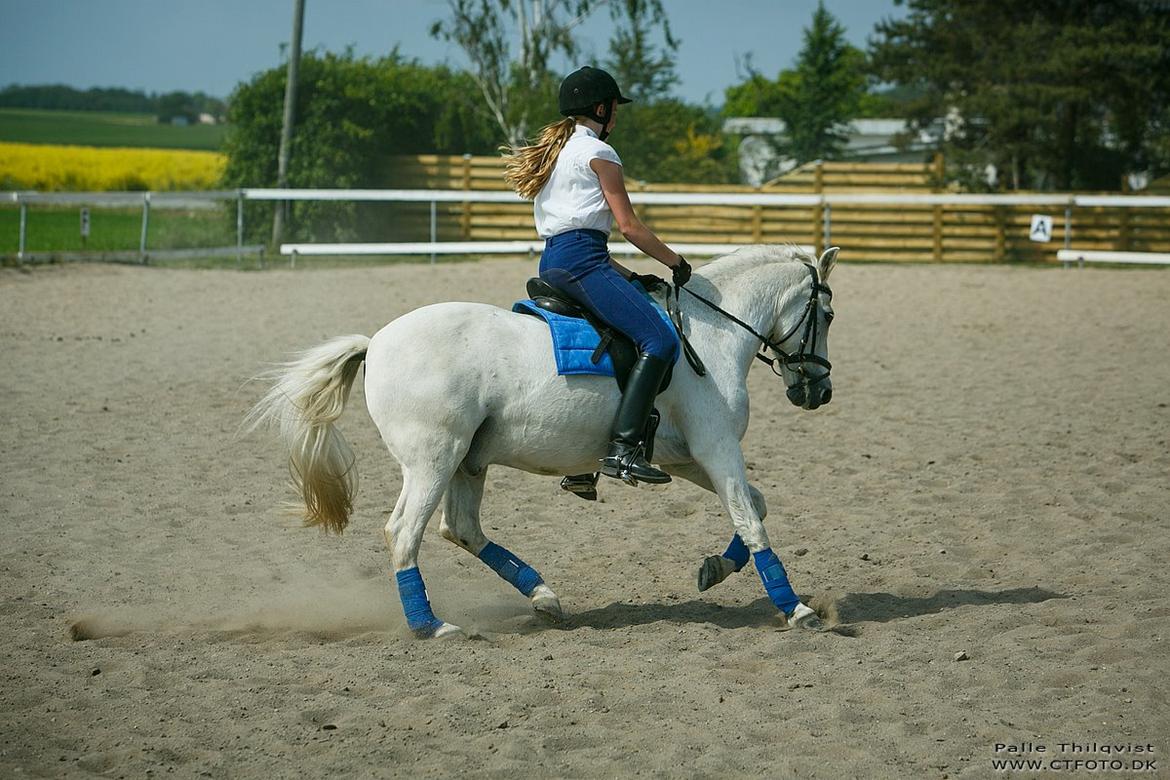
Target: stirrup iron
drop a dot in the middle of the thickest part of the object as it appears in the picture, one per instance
(582, 485)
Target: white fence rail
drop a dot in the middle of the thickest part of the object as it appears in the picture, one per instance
(206, 200)
(1080, 256)
(434, 248)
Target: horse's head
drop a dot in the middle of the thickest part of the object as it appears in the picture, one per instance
(802, 335)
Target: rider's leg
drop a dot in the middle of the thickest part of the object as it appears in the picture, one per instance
(626, 458)
(578, 263)
(624, 307)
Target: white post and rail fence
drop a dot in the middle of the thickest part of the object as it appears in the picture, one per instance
(881, 226)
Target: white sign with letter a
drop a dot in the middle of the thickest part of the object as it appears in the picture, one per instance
(1041, 228)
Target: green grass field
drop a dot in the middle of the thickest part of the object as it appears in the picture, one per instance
(96, 128)
(58, 229)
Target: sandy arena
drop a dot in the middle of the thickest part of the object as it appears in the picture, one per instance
(991, 483)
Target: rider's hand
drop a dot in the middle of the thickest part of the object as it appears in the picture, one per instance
(648, 281)
(681, 273)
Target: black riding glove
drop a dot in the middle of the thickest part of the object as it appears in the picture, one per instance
(681, 273)
(648, 281)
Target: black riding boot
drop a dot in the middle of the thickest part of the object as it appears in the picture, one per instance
(627, 451)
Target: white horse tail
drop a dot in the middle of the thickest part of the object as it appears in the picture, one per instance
(308, 394)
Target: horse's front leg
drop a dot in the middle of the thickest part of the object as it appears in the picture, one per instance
(716, 568)
(725, 468)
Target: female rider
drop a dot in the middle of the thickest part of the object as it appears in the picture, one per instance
(575, 180)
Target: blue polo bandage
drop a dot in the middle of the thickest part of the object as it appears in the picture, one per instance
(415, 604)
(737, 552)
(522, 576)
(776, 581)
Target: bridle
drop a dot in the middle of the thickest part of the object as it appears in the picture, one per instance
(797, 361)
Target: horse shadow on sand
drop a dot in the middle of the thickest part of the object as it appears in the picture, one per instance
(841, 611)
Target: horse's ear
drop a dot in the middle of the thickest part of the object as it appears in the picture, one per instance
(827, 261)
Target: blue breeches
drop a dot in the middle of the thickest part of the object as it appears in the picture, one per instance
(577, 261)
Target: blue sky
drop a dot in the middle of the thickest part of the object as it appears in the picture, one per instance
(211, 45)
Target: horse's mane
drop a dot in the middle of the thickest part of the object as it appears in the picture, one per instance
(754, 256)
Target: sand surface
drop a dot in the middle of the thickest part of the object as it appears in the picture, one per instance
(992, 478)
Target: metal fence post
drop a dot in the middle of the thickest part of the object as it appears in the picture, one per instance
(1068, 232)
(239, 228)
(145, 225)
(828, 229)
(23, 227)
(434, 231)
(819, 209)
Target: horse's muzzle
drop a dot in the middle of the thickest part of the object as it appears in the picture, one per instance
(811, 396)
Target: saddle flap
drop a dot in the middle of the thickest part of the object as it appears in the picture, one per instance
(622, 352)
(551, 299)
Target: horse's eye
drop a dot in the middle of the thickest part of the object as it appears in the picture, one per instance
(828, 317)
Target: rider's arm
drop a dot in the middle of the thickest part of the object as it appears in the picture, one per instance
(613, 186)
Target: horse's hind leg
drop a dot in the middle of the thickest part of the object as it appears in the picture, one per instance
(422, 489)
(460, 525)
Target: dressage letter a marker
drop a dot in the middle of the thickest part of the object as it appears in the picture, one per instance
(1041, 228)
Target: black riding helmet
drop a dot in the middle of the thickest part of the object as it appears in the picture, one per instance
(583, 89)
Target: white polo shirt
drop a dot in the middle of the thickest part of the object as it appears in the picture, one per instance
(571, 198)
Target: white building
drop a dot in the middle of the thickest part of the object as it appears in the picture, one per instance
(869, 140)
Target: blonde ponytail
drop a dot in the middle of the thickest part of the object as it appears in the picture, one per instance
(527, 168)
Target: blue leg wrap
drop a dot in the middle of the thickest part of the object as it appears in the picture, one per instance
(522, 576)
(415, 603)
(737, 552)
(776, 581)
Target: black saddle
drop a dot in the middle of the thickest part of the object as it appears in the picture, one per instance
(621, 349)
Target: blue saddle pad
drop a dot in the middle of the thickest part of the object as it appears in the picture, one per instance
(574, 341)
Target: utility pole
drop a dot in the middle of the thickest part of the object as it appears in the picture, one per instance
(290, 101)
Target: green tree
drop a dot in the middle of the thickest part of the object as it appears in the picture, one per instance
(520, 89)
(757, 95)
(353, 115)
(644, 70)
(1057, 94)
(824, 93)
(660, 138)
(816, 99)
(671, 141)
(513, 87)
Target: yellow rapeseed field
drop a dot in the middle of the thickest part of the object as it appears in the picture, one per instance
(46, 167)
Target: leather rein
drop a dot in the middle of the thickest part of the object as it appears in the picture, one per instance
(800, 359)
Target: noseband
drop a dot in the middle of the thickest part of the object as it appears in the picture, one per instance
(798, 361)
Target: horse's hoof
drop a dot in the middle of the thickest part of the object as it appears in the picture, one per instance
(441, 631)
(715, 569)
(548, 608)
(805, 618)
(449, 631)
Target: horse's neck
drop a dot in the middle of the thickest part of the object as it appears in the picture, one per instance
(754, 294)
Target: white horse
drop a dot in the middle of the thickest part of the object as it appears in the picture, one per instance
(457, 387)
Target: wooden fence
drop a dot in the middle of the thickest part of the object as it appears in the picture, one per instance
(913, 233)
